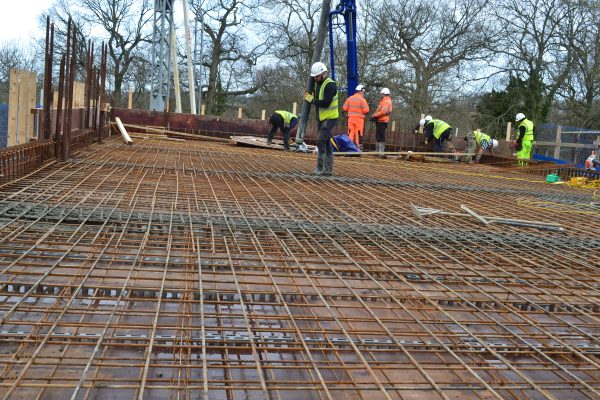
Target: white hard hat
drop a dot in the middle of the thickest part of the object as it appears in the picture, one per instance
(385, 91)
(428, 118)
(494, 144)
(360, 87)
(317, 69)
(422, 122)
(519, 117)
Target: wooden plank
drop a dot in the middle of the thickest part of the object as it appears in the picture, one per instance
(162, 131)
(30, 93)
(508, 131)
(262, 143)
(78, 94)
(557, 142)
(474, 214)
(403, 153)
(23, 112)
(13, 107)
(575, 145)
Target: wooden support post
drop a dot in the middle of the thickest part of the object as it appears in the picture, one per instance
(420, 127)
(240, 112)
(13, 108)
(129, 98)
(508, 130)
(294, 107)
(557, 142)
(30, 92)
(203, 108)
(263, 114)
(393, 126)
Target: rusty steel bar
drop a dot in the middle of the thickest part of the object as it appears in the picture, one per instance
(172, 269)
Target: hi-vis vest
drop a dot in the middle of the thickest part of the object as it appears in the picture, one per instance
(332, 111)
(529, 129)
(356, 106)
(439, 127)
(287, 116)
(479, 136)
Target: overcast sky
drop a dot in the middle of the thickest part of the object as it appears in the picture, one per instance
(19, 19)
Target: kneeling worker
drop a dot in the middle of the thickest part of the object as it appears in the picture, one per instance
(485, 142)
(286, 122)
(438, 131)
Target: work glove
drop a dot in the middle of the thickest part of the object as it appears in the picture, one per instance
(308, 97)
(373, 119)
(426, 141)
(518, 145)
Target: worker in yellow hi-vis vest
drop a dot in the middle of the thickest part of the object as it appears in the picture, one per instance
(438, 132)
(484, 142)
(325, 99)
(286, 122)
(524, 140)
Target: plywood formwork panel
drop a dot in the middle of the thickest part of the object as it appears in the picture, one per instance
(22, 92)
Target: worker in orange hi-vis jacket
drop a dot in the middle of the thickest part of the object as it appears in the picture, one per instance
(356, 106)
(381, 117)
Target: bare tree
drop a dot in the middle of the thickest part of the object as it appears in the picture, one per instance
(13, 55)
(233, 51)
(536, 36)
(125, 24)
(582, 86)
(423, 43)
(295, 26)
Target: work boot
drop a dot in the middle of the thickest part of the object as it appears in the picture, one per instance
(320, 163)
(382, 149)
(328, 165)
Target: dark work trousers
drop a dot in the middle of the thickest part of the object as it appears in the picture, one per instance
(325, 133)
(438, 144)
(285, 131)
(380, 128)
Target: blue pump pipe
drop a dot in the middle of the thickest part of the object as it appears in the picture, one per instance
(346, 8)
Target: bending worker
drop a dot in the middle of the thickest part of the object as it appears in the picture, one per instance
(439, 132)
(326, 102)
(485, 142)
(286, 122)
(356, 106)
(524, 139)
(381, 117)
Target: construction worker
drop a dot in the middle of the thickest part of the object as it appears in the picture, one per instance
(592, 163)
(524, 140)
(286, 122)
(381, 117)
(326, 102)
(481, 140)
(356, 106)
(427, 119)
(439, 132)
